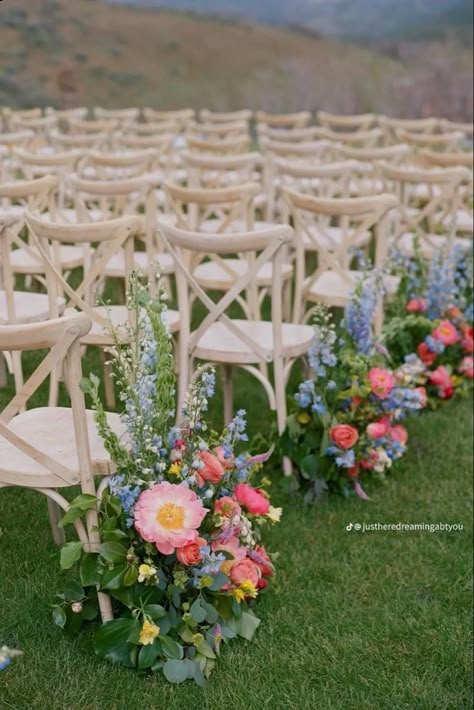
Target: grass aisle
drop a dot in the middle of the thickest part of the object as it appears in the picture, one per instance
(374, 620)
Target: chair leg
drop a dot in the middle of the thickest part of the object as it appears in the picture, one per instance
(17, 369)
(228, 394)
(3, 371)
(108, 381)
(55, 514)
(280, 396)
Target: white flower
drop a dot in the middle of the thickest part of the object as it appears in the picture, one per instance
(274, 514)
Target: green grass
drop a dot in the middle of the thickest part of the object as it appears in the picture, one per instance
(363, 621)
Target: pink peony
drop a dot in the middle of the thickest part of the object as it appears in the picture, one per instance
(264, 564)
(382, 381)
(446, 332)
(467, 342)
(227, 463)
(244, 571)
(399, 433)
(169, 515)
(344, 435)
(425, 354)
(422, 394)
(191, 554)
(440, 376)
(454, 312)
(417, 305)
(233, 547)
(467, 366)
(252, 499)
(212, 471)
(376, 430)
(227, 507)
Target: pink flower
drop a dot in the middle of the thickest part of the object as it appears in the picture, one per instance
(425, 354)
(227, 507)
(422, 394)
(440, 376)
(252, 499)
(446, 332)
(233, 547)
(382, 381)
(169, 514)
(366, 464)
(244, 571)
(265, 566)
(454, 312)
(399, 433)
(446, 392)
(467, 342)
(353, 471)
(467, 366)
(344, 435)
(417, 305)
(376, 430)
(212, 470)
(227, 463)
(191, 554)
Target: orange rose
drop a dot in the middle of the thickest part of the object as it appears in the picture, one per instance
(344, 436)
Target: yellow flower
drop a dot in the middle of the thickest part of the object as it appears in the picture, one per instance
(205, 581)
(146, 572)
(248, 588)
(175, 469)
(238, 594)
(148, 633)
(197, 639)
(303, 418)
(274, 514)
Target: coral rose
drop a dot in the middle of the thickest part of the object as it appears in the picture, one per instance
(467, 366)
(191, 554)
(376, 430)
(244, 571)
(399, 433)
(252, 499)
(446, 332)
(425, 354)
(227, 462)
(417, 305)
(344, 435)
(382, 382)
(213, 470)
(227, 507)
(168, 514)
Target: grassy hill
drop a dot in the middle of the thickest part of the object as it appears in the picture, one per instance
(126, 55)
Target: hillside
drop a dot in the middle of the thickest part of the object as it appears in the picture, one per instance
(123, 55)
(372, 19)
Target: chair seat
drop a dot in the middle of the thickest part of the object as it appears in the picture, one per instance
(13, 211)
(317, 239)
(429, 245)
(336, 288)
(213, 275)
(23, 261)
(51, 431)
(464, 221)
(29, 307)
(118, 316)
(115, 267)
(219, 344)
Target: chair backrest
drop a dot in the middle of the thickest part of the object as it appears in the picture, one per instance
(180, 116)
(125, 164)
(36, 194)
(40, 125)
(362, 139)
(123, 115)
(289, 135)
(390, 153)
(259, 247)
(334, 121)
(153, 128)
(224, 129)
(219, 146)
(209, 116)
(355, 216)
(445, 159)
(282, 120)
(81, 126)
(440, 141)
(319, 150)
(466, 128)
(112, 198)
(79, 141)
(391, 125)
(191, 206)
(15, 138)
(60, 337)
(109, 238)
(220, 170)
(38, 164)
(324, 180)
(442, 193)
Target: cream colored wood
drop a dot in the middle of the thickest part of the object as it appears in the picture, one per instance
(223, 146)
(466, 128)
(435, 141)
(209, 116)
(460, 158)
(79, 141)
(391, 125)
(13, 139)
(299, 119)
(334, 121)
(220, 170)
(362, 139)
(124, 116)
(219, 131)
(78, 125)
(289, 135)
(180, 116)
(122, 165)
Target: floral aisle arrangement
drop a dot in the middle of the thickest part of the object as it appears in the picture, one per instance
(345, 422)
(432, 328)
(182, 555)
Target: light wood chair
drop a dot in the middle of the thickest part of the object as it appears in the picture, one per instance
(209, 116)
(79, 141)
(41, 126)
(120, 164)
(231, 342)
(449, 126)
(124, 116)
(220, 170)
(300, 119)
(218, 146)
(432, 141)
(420, 212)
(390, 126)
(336, 122)
(367, 179)
(9, 114)
(218, 131)
(333, 281)
(358, 139)
(448, 159)
(50, 448)
(289, 135)
(180, 116)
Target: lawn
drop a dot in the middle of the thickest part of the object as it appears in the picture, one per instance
(353, 620)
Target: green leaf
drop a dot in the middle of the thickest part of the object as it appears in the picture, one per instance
(211, 612)
(70, 553)
(90, 609)
(204, 648)
(155, 611)
(111, 641)
(175, 671)
(197, 611)
(113, 551)
(171, 648)
(113, 578)
(309, 467)
(148, 655)
(248, 624)
(88, 571)
(59, 616)
(73, 591)
(84, 501)
(131, 576)
(219, 580)
(124, 595)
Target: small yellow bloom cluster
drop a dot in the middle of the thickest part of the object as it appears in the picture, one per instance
(146, 572)
(148, 633)
(175, 469)
(245, 589)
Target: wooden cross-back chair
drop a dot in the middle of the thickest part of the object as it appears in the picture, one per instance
(79, 141)
(220, 170)
(433, 141)
(39, 163)
(50, 448)
(209, 116)
(106, 199)
(213, 131)
(9, 114)
(64, 115)
(367, 179)
(337, 122)
(153, 128)
(13, 139)
(121, 164)
(124, 116)
(420, 219)
(41, 126)
(81, 126)
(333, 281)
(231, 342)
(369, 138)
(8, 143)
(300, 119)
(289, 135)
(466, 128)
(390, 126)
(180, 116)
(219, 146)
(223, 211)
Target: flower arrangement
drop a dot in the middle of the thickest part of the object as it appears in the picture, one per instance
(345, 422)
(433, 329)
(182, 555)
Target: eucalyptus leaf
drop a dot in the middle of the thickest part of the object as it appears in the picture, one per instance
(175, 671)
(171, 648)
(59, 616)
